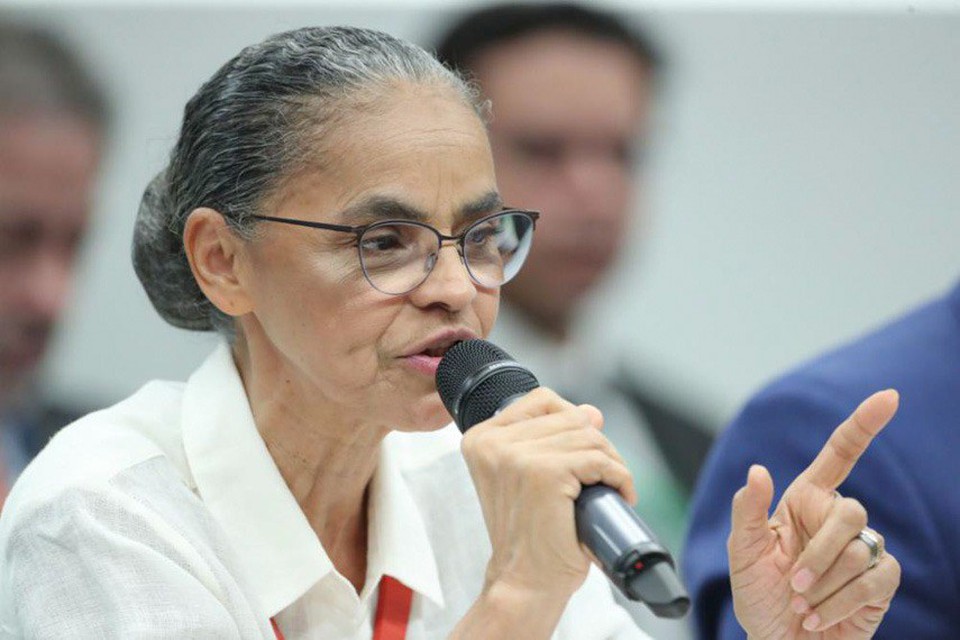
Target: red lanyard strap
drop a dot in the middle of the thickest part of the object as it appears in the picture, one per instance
(393, 611)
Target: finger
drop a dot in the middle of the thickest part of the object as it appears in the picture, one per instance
(844, 521)
(506, 446)
(539, 402)
(873, 588)
(595, 467)
(750, 530)
(596, 416)
(848, 441)
(584, 439)
(566, 420)
(853, 560)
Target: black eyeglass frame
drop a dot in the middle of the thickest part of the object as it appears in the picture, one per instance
(360, 230)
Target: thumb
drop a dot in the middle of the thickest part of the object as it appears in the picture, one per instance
(750, 530)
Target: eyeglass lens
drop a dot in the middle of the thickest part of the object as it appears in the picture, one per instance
(397, 257)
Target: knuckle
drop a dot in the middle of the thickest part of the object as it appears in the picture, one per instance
(597, 459)
(523, 465)
(577, 417)
(896, 570)
(855, 559)
(544, 395)
(853, 513)
(596, 440)
(864, 589)
(598, 464)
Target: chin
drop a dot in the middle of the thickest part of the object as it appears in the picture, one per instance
(428, 414)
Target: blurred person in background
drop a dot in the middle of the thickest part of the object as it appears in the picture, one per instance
(908, 483)
(52, 122)
(572, 92)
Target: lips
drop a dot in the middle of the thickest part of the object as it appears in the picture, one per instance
(437, 343)
(425, 356)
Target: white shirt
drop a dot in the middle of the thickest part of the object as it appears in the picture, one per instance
(165, 517)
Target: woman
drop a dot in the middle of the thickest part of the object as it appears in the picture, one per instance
(331, 208)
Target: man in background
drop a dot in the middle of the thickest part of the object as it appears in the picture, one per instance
(572, 93)
(52, 124)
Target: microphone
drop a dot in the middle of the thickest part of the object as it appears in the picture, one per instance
(476, 380)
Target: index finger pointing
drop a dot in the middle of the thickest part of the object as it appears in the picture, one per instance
(848, 441)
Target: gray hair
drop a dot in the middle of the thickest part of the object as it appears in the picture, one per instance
(257, 121)
(39, 73)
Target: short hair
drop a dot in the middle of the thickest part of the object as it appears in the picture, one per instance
(40, 73)
(488, 27)
(259, 119)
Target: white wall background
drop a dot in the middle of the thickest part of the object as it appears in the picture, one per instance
(806, 182)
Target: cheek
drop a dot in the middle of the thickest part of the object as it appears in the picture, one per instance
(352, 332)
(486, 306)
(325, 318)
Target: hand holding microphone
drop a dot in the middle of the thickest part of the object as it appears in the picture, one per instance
(549, 481)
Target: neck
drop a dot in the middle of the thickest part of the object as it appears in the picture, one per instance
(326, 459)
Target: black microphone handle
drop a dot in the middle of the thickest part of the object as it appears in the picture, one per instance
(626, 549)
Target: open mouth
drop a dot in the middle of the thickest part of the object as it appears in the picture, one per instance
(437, 352)
(426, 356)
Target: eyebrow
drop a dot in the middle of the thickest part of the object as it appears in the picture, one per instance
(387, 208)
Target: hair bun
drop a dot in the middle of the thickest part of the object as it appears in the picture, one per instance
(161, 263)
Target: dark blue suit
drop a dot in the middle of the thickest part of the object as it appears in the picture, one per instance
(909, 478)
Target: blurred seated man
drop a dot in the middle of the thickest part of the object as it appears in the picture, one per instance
(908, 483)
(571, 91)
(52, 120)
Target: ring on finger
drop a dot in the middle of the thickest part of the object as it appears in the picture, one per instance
(873, 543)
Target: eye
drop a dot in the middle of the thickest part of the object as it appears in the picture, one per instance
(19, 237)
(382, 239)
(542, 149)
(481, 233)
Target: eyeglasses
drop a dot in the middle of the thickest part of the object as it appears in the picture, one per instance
(397, 255)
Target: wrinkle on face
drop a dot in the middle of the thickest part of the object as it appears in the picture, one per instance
(321, 325)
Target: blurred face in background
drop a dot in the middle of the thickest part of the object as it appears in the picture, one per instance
(47, 172)
(569, 113)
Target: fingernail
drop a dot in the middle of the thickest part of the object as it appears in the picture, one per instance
(802, 580)
(799, 605)
(811, 622)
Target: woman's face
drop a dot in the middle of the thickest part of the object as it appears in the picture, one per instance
(331, 343)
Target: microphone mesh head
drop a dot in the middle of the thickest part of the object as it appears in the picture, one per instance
(460, 362)
(488, 397)
(459, 367)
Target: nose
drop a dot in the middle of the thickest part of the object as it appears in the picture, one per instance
(449, 284)
(593, 176)
(45, 284)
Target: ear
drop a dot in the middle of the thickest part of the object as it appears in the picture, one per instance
(215, 252)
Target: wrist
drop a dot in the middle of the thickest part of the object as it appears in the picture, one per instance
(507, 610)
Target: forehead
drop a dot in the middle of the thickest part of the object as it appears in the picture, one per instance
(421, 145)
(563, 80)
(48, 166)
